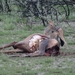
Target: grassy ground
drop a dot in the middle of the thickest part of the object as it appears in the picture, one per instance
(14, 29)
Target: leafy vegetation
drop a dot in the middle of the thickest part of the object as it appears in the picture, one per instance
(44, 10)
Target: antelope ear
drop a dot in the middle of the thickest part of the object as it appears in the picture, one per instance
(61, 42)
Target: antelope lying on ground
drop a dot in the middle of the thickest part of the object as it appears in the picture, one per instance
(35, 45)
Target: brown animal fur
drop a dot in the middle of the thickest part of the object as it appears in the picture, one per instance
(53, 32)
(24, 45)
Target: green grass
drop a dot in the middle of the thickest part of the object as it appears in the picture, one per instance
(36, 65)
(14, 29)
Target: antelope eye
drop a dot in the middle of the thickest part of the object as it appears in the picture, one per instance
(52, 31)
